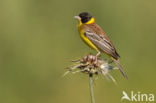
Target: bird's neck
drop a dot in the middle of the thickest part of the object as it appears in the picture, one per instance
(92, 20)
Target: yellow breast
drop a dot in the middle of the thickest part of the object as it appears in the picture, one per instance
(85, 39)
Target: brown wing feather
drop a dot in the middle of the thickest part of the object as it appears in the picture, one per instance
(97, 36)
(101, 43)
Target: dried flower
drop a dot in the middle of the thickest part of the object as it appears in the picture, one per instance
(91, 65)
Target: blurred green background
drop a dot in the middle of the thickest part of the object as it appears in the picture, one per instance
(38, 38)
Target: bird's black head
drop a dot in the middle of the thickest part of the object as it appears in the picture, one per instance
(85, 17)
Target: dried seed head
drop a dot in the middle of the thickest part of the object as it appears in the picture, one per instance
(90, 64)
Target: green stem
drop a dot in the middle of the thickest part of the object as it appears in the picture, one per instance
(91, 88)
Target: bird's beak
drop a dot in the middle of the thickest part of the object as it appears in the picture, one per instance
(77, 17)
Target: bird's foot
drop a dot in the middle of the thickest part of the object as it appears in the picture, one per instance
(96, 57)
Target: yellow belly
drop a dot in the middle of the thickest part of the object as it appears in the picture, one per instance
(86, 40)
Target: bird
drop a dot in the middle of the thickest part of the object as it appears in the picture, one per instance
(93, 35)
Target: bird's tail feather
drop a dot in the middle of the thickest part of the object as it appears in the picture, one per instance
(120, 67)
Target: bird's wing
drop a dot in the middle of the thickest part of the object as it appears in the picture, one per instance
(102, 43)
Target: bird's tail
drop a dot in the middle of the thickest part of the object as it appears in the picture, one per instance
(120, 67)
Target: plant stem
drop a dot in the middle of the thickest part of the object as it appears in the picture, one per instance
(91, 88)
